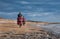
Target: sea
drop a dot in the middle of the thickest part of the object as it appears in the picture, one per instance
(55, 28)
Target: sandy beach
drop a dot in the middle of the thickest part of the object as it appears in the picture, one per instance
(10, 30)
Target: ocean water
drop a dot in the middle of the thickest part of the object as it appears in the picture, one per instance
(51, 27)
(55, 28)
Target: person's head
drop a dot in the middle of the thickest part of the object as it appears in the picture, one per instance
(19, 14)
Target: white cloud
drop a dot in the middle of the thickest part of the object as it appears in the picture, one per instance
(40, 9)
(43, 2)
(37, 16)
(22, 2)
(53, 3)
(47, 13)
(9, 8)
(34, 14)
(29, 7)
(8, 13)
(26, 2)
(4, 4)
(26, 7)
(45, 16)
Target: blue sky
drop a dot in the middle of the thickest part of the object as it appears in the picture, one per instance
(37, 10)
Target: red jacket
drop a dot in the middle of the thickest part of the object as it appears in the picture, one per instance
(20, 20)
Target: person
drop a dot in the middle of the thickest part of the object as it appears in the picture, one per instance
(23, 20)
(20, 20)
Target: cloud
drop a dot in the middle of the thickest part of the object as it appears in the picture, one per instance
(9, 8)
(52, 3)
(34, 14)
(44, 16)
(8, 13)
(34, 9)
(4, 4)
(22, 2)
(29, 7)
(26, 7)
(39, 2)
(26, 2)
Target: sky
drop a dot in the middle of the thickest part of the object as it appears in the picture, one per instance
(36, 10)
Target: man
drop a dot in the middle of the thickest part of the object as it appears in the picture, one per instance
(20, 20)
